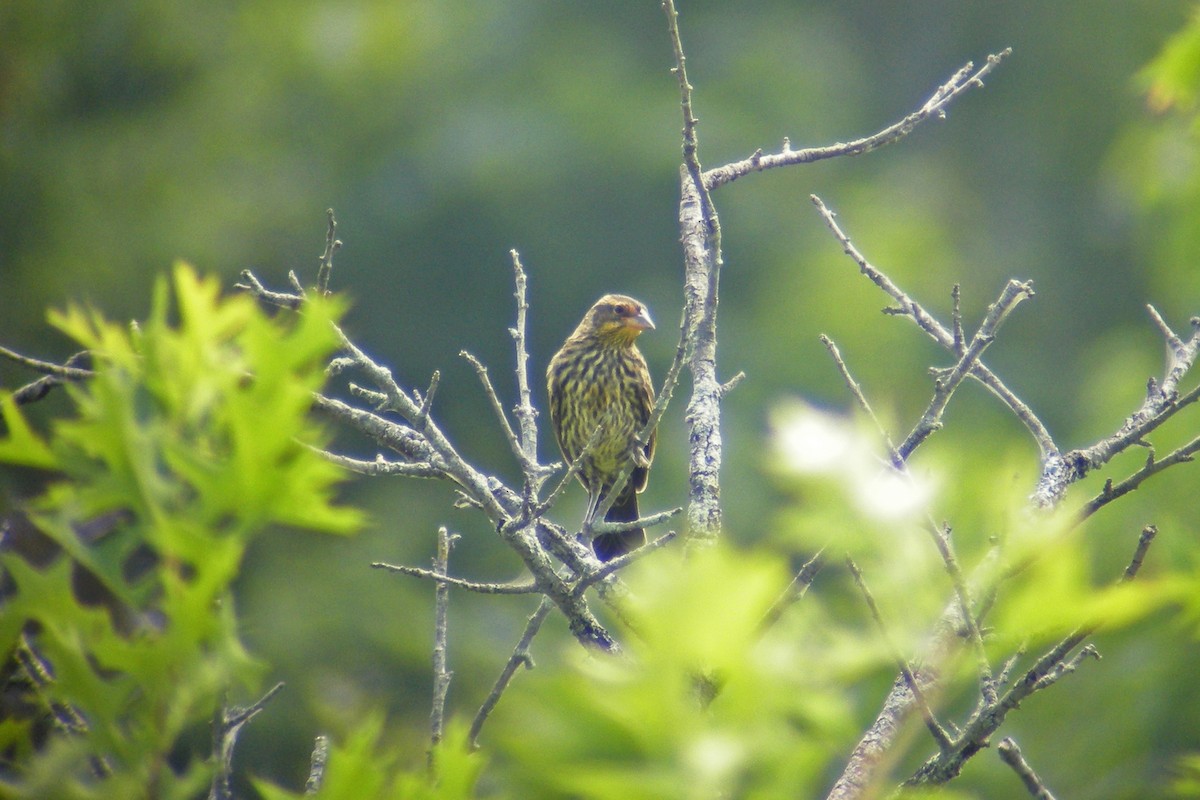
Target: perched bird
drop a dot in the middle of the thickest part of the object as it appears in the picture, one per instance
(599, 379)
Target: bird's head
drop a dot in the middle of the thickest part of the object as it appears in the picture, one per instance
(617, 319)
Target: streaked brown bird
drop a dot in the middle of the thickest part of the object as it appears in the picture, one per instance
(599, 379)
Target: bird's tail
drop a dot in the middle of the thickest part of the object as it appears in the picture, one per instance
(610, 545)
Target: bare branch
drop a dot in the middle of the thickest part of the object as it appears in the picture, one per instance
(502, 506)
(860, 398)
(380, 466)
(441, 675)
(1011, 754)
(497, 406)
(70, 373)
(1139, 555)
(443, 579)
(226, 727)
(520, 657)
(926, 322)
(649, 521)
(573, 470)
(1162, 402)
(691, 159)
(252, 284)
(935, 729)
(702, 268)
(934, 107)
(316, 766)
(332, 245)
(1152, 467)
(795, 590)
(525, 412)
(435, 380)
(700, 234)
(945, 546)
(987, 718)
(1014, 292)
(623, 560)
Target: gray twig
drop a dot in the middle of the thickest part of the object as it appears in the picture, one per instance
(332, 245)
(226, 727)
(1162, 402)
(938, 332)
(316, 766)
(442, 579)
(935, 729)
(441, 675)
(497, 406)
(1010, 754)
(795, 590)
(944, 386)
(934, 107)
(859, 397)
(1058, 662)
(520, 657)
(623, 560)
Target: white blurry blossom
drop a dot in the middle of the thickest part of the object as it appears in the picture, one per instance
(714, 758)
(891, 494)
(810, 442)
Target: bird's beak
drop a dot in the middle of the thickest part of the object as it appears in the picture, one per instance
(642, 321)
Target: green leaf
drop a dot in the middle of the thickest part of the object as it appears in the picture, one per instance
(21, 445)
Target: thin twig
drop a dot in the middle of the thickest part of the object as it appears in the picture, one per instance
(926, 322)
(497, 406)
(1010, 754)
(316, 766)
(956, 318)
(691, 158)
(933, 108)
(226, 727)
(332, 245)
(435, 380)
(1162, 402)
(520, 657)
(447, 580)
(37, 389)
(1152, 467)
(441, 675)
(649, 521)
(857, 392)
(944, 387)
(794, 591)
(572, 470)
(945, 546)
(380, 466)
(935, 729)
(47, 367)
(1145, 539)
(623, 560)
(250, 283)
(525, 412)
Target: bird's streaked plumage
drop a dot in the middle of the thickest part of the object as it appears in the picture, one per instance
(599, 377)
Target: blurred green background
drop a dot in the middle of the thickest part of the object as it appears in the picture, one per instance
(445, 133)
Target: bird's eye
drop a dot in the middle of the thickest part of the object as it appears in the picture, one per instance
(622, 309)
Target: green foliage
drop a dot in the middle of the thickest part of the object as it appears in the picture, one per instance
(705, 703)
(1172, 78)
(1187, 782)
(192, 436)
(366, 767)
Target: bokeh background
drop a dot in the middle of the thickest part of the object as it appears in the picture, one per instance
(444, 133)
